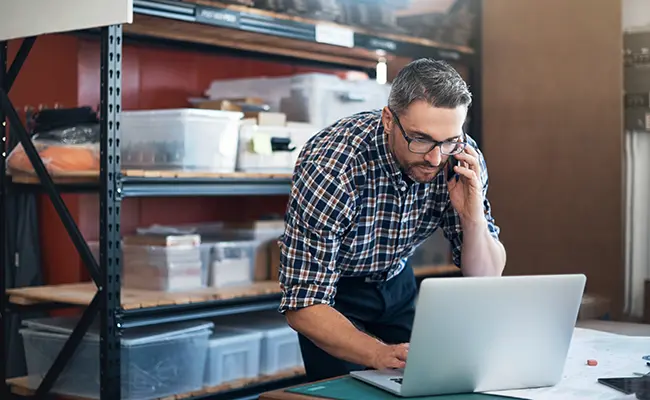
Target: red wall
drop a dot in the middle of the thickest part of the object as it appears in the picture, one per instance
(65, 69)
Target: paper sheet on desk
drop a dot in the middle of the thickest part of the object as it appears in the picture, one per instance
(617, 356)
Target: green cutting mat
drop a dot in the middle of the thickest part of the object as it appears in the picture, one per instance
(348, 388)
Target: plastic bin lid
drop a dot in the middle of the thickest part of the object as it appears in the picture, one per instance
(256, 322)
(183, 111)
(227, 334)
(131, 337)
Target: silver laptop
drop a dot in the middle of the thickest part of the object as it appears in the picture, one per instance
(486, 334)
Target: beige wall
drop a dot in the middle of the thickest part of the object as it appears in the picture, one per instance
(552, 135)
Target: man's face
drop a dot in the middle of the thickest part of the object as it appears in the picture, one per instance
(423, 123)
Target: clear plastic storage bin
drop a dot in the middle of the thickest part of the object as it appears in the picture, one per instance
(280, 350)
(322, 99)
(257, 153)
(231, 263)
(232, 355)
(270, 89)
(180, 139)
(162, 268)
(156, 361)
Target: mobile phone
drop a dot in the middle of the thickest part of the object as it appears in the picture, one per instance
(631, 385)
(451, 163)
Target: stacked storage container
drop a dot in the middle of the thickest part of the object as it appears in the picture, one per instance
(164, 263)
(315, 98)
(180, 139)
(322, 99)
(279, 349)
(232, 355)
(258, 151)
(156, 361)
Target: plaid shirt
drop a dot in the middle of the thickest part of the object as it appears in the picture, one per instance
(352, 213)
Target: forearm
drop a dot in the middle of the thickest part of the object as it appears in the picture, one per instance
(335, 334)
(481, 254)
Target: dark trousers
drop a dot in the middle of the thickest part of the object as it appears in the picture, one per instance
(382, 309)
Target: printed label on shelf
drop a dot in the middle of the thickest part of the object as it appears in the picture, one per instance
(216, 16)
(382, 44)
(335, 35)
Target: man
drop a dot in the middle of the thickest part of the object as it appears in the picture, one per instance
(366, 192)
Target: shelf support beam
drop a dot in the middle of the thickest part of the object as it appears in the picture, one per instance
(109, 210)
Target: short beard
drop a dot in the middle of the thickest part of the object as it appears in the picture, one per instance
(411, 168)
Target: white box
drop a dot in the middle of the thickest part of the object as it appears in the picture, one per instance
(180, 139)
(156, 361)
(232, 355)
(257, 153)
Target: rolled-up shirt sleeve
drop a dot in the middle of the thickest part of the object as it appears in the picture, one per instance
(317, 215)
(451, 220)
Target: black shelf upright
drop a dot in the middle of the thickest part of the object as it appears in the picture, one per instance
(109, 205)
(106, 274)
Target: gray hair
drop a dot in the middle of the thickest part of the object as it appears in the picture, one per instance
(435, 82)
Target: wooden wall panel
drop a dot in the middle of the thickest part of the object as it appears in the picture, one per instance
(553, 136)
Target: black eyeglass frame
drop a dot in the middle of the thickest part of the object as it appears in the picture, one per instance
(434, 143)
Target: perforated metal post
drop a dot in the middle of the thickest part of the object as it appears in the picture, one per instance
(109, 204)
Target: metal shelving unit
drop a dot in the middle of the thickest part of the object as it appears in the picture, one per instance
(113, 185)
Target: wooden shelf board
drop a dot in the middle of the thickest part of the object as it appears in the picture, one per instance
(82, 177)
(434, 270)
(192, 32)
(82, 293)
(20, 386)
(134, 173)
(390, 36)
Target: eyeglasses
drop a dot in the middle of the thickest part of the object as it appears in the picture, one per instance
(424, 146)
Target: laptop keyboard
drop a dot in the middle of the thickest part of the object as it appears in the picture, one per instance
(397, 380)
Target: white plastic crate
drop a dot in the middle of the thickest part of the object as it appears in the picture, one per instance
(280, 350)
(322, 99)
(232, 355)
(180, 139)
(156, 361)
(258, 154)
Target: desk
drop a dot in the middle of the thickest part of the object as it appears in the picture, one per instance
(617, 355)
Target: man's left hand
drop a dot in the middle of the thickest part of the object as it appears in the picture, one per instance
(466, 193)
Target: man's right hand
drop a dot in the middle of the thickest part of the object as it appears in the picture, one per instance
(391, 356)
